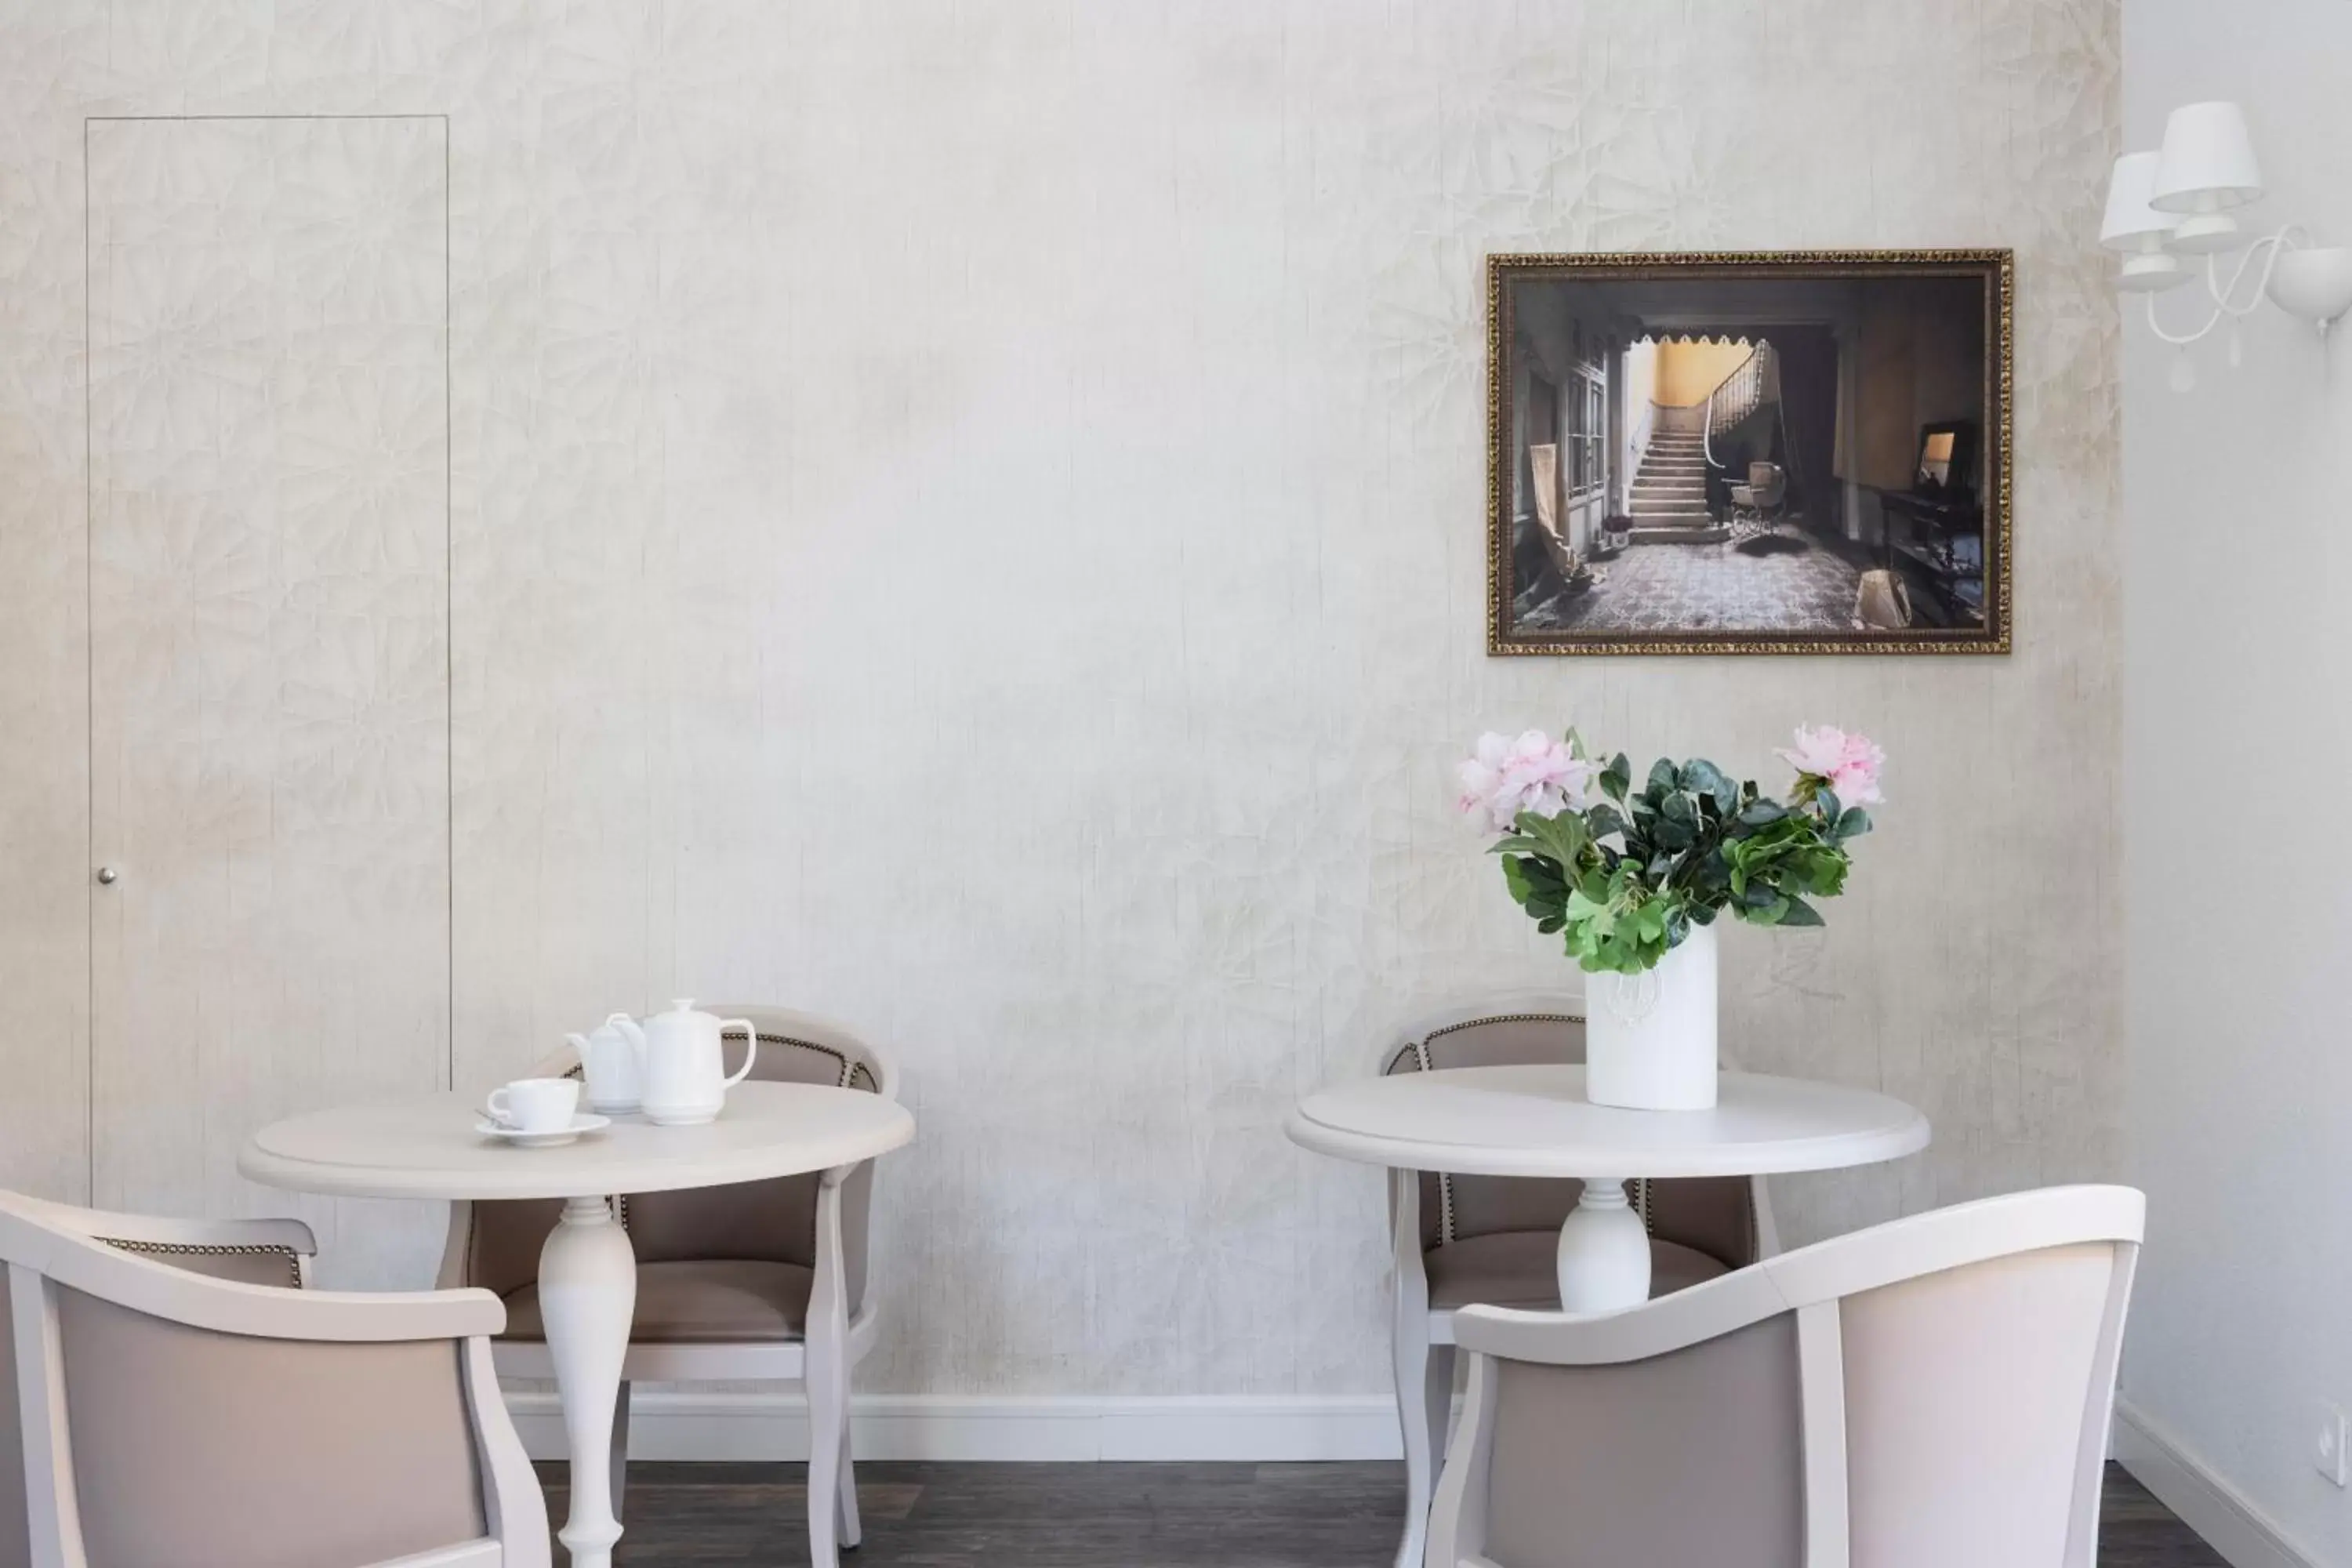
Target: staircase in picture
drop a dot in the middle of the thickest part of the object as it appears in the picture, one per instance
(1669, 498)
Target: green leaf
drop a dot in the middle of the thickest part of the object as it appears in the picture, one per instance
(1799, 913)
(1661, 779)
(1702, 777)
(1851, 822)
(1544, 872)
(1706, 876)
(1563, 838)
(1616, 776)
(1763, 813)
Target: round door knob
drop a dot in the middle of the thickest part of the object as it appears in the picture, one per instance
(107, 876)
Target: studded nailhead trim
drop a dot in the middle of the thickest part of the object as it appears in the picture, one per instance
(199, 1250)
(850, 1066)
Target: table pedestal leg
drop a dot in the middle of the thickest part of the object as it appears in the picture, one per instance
(1604, 1252)
(587, 1294)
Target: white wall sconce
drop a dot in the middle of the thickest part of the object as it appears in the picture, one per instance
(2177, 202)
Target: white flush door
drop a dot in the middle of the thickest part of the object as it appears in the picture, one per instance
(269, 650)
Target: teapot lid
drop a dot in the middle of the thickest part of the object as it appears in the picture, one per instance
(680, 1005)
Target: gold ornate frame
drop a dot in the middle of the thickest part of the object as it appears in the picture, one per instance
(1998, 270)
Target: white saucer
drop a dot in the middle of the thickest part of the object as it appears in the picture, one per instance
(581, 1121)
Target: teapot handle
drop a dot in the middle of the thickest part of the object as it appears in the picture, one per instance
(750, 1047)
(631, 1030)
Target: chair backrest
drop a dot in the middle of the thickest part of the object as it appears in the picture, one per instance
(774, 1221)
(148, 1425)
(1499, 1033)
(1929, 1394)
(768, 1222)
(1715, 1216)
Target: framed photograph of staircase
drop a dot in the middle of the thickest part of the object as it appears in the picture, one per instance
(1748, 452)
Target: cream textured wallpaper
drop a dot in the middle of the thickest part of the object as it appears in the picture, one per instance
(967, 518)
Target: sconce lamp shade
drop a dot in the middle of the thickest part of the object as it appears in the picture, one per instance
(2138, 229)
(2207, 161)
(2131, 222)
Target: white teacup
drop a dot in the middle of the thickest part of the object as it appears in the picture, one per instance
(536, 1104)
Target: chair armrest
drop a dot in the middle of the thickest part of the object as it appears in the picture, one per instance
(1704, 1312)
(261, 1312)
(150, 1230)
(1826, 1271)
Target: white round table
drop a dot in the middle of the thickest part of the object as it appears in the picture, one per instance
(1535, 1121)
(427, 1148)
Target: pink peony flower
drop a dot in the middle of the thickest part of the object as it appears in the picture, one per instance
(1849, 764)
(1534, 772)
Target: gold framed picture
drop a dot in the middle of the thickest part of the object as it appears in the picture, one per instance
(1750, 452)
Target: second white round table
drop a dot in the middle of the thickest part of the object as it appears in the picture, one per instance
(1534, 1120)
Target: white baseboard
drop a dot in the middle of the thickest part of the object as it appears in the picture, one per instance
(667, 1424)
(2230, 1523)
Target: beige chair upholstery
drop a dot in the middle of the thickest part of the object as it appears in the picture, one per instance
(177, 1402)
(1495, 1239)
(731, 1282)
(1929, 1394)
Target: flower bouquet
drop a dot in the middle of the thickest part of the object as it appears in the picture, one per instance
(1634, 878)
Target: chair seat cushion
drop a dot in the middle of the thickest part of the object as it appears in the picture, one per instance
(698, 1303)
(1520, 1268)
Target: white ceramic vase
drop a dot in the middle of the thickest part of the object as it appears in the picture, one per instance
(1649, 1038)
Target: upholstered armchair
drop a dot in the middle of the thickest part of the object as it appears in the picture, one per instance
(1929, 1394)
(175, 1401)
(1496, 1239)
(1756, 505)
(757, 1282)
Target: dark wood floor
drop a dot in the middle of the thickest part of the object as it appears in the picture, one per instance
(1119, 1516)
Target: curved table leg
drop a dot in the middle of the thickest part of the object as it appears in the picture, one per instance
(1604, 1252)
(587, 1295)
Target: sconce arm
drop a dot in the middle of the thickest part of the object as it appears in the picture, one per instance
(2268, 247)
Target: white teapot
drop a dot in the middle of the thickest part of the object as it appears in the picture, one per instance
(613, 1060)
(686, 1079)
